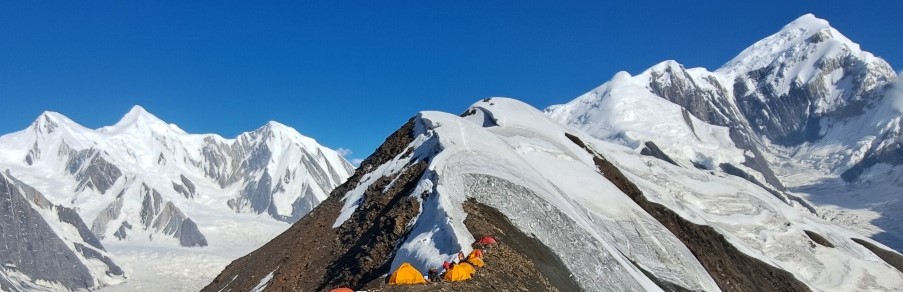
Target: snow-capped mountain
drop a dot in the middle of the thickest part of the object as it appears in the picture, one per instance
(571, 212)
(147, 182)
(805, 109)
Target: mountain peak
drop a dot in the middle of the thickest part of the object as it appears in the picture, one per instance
(665, 66)
(802, 41)
(138, 113)
(807, 22)
(276, 129)
(276, 125)
(139, 117)
(50, 121)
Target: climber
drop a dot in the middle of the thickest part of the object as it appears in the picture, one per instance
(433, 275)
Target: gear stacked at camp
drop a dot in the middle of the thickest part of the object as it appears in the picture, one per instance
(464, 270)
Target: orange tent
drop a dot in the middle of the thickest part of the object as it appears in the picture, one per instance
(341, 290)
(476, 258)
(476, 253)
(475, 261)
(406, 275)
(459, 272)
(468, 267)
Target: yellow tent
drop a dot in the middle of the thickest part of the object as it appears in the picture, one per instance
(459, 272)
(468, 267)
(406, 275)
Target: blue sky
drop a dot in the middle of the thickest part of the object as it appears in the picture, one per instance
(348, 73)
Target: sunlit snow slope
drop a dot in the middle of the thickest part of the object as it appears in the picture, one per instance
(804, 110)
(618, 220)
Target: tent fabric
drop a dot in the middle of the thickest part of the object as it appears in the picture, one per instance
(476, 258)
(341, 290)
(488, 239)
(477, 262)
(468, 267)
(460, 272)
(406, 275)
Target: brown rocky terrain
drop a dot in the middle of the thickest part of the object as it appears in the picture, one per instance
(313, 256)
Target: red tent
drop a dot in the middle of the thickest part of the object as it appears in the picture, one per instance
(487, 240)
(343, 289)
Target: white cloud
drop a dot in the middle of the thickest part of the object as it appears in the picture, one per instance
(896, 93)
(356, 162)
(344, 152)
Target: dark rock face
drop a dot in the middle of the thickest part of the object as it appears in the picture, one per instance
(793, 117)
(69, 216)
(256, 195)
(712, 105)
(744, 141)
(166, 218)
(186, 188)
(31, 244)
(189, 234)
(735, 171)
(709, 105)
(90, 253)
(782, 119)
(817, 238)
(91, 170)
(102, 221)
(652, 150)
(33, 154)
(731, 269)
(216, 161)
(30, 193)
(150, 205)
(123, 230)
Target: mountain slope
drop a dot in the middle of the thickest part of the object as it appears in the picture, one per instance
(145, 186)
(154, 171)
(804, 110)
(614, 219)
(47, 246)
